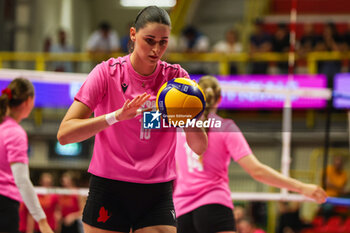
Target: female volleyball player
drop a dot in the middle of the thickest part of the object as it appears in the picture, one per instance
(16, 102)
(132, 168)
(202, 196)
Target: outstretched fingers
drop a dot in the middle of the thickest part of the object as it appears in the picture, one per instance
(133, 102)
(144, 98)
(126, 104)
(137, 102)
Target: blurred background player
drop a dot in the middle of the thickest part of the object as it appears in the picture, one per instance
(260, 42)
(70, 206)
(62, 46)
(193, 41)
(337, 177)
(202, 196)
(229, 45)
(280, 44)
(330, 41)
(289, 219)
(16, 103)
(49, 203)
(104, 40)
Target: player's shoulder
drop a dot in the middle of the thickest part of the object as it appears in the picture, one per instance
(165, 65)
(11, 128)
(115, 64)
(174, 70)
(227, 125)
(16, 129)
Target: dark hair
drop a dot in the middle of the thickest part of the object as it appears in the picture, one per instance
(105, 26)
(212, 92)
(19, 91)
(150, 14)
(190, 30)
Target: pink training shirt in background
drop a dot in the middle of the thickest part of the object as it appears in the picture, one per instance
(125, 151)
(205, 181)
(13, 149)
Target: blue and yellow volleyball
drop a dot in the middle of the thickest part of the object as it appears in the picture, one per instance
(180, 99)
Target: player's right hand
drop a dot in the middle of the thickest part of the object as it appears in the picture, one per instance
(131, 107)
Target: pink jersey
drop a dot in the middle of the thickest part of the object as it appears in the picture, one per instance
(205, 181)
(13, 149)
(125, 151)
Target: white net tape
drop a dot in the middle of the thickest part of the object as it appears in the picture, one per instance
(44, 76)
(62, 191)
(252, 196)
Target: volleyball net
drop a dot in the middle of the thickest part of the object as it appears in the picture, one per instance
(237, 196)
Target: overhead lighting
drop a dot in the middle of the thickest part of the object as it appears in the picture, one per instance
(144, 3)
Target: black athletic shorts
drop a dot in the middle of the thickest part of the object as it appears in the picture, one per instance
(207, 219)
(9, 216)
(120, 206)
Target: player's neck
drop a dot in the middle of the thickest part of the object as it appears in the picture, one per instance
(140, 67)
(16, 116)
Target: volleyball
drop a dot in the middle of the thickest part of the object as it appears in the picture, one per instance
(180, 99)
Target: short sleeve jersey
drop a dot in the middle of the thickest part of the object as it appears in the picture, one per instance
(203, 181)
(125, 151)
(13, 149)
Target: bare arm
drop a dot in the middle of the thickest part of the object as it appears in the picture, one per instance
(30, 224)
(267, 175)
(197, 140)
(76, 126)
